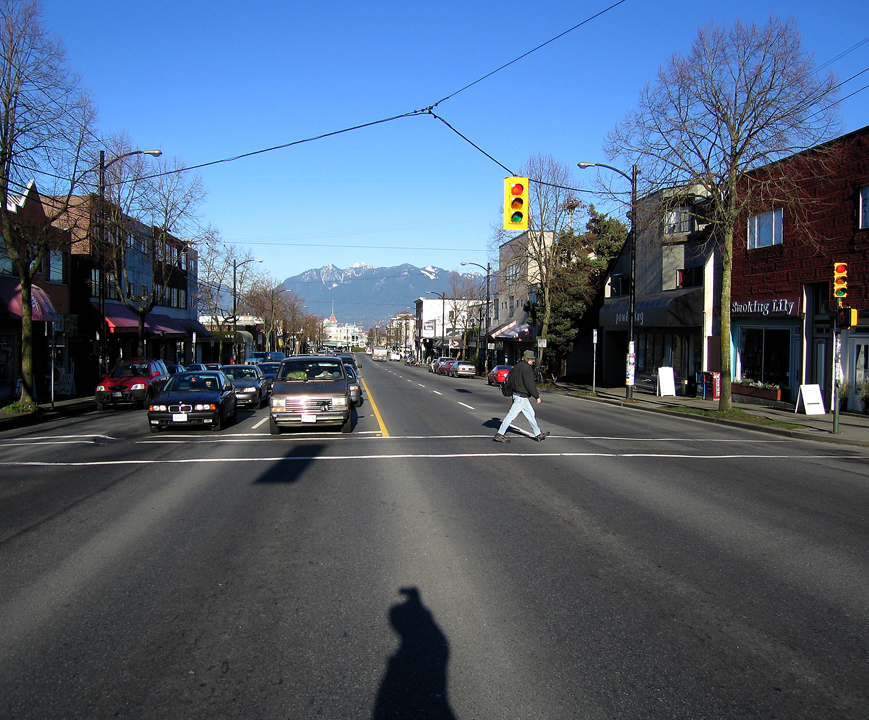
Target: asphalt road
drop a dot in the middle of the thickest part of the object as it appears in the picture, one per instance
(633, 565)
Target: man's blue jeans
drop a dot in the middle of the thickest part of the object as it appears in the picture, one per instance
(520, 405)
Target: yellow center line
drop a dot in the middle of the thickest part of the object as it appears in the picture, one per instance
(380, 422)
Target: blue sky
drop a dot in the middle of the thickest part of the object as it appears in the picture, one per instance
(207, 80)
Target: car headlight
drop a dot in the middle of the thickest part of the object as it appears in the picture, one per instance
(249, 389)
(278, 402)
(157, 408)
(339, 402)
(137, 386)
(205, 406)
(101, 388)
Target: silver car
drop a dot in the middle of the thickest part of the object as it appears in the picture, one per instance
(463, 368)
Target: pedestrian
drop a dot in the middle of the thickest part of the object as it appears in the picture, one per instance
(524, 386)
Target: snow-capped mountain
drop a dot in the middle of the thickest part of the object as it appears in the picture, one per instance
(365, 294)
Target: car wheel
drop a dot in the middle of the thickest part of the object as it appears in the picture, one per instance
(217, 425)
(274, 428)
(347, 427)
(146, 401)
(100, 406)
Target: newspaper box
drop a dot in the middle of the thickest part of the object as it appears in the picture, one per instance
(708, 385)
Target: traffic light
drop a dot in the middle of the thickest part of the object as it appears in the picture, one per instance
(515, 203)
(846, 318)
(840, 281)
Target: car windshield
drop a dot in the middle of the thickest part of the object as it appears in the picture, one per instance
(351, 375)
(269, 369)
(240, 372)
(130, 370)
(311, 369)
(195, 382)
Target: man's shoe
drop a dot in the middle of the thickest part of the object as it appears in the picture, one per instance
(541, 437)
(500, 438)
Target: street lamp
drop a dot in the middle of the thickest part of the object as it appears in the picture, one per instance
(102, 233)
(442, 296)
(632, 291)
(488, 270)
(235, 265)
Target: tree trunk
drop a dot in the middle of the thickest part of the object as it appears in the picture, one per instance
(28, 391)
(725, 402)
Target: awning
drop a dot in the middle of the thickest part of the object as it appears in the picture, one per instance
(119, 318)
(165, 326)
(10, 301)
(515, 331)
(194, 326)
(674, 308)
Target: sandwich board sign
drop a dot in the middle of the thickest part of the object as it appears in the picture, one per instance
(812, 402)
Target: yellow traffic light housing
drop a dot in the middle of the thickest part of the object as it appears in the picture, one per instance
(840, 281)
(516, 203)
(846, 318)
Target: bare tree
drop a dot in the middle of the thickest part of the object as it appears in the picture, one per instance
(45, 134)
(740, 99)
(148, 214)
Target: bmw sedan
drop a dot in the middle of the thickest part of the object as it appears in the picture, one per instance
(194, 399)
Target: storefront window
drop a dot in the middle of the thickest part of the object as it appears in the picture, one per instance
(764, 355)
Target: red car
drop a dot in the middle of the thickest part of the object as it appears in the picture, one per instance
(444, 367)
(498, 374)
(133, 382)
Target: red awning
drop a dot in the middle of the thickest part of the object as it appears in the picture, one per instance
(163, 324)
(120, 319)
(10, 301)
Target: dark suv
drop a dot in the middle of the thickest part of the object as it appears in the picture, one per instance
(131, 382)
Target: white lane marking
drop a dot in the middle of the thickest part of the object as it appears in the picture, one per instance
(436, 392)
(431, 456)
(467, 406)
(59, 437)
(264, 420)
(421, 385)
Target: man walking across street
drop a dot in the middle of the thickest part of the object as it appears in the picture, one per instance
(521, 378)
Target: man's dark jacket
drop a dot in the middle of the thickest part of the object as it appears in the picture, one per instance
(523, 379)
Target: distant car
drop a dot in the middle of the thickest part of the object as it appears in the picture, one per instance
(194, 399)
(258, 356)
(463, 368)
(395, 357)
(193, 367)
(355, 385)
(311, 390)
(434, 364)
(498, 374)
(270, 372)
(175, 369)
(250, 385)
(132, 382)
(213, 366)
(347, 358)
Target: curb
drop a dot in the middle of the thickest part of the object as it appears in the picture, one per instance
(673, 410)
(13, 421)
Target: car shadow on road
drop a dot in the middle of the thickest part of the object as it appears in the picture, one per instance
(290, 468)
(415, 683)
(493, 423)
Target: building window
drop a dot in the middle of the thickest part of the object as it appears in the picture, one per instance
(679, 220)
(689, 277)
(864, 208)
(57, 267)
(765, 355)
(765, 229)
(618, 285)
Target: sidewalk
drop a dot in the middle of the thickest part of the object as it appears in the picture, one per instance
(62, 408)
(853, 428)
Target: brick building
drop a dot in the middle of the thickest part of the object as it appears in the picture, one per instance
(782, 330)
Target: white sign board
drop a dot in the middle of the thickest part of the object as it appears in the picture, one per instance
(812, 402)
(666, 382)
(541, 342)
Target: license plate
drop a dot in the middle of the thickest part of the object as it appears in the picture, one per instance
(308, 418)
(117, 394)
(179, 417)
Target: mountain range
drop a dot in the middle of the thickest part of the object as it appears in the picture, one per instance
(365, 294)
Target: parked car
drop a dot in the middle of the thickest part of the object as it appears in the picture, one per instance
(250, 384)
(270, 372)
(257, 356)
(498, 374)
(463, 368)
(194, 399)
(444, 367)
(434, 364)
(311, 390)
(355, 385)
(132, 382)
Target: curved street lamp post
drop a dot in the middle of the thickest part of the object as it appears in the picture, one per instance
(488, 270)
(235, 266)
(101, 215)
(632, 292)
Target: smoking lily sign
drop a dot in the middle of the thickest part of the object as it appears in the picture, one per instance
(770, 307)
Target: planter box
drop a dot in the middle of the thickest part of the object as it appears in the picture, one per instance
(756, 392)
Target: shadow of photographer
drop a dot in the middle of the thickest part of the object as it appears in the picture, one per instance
(415, 684)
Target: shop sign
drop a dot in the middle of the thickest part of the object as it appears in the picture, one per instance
(771, 307)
